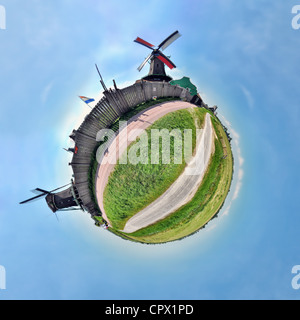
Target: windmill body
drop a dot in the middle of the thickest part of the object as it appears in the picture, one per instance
(157, 71)
(66, 199)
(61, 200)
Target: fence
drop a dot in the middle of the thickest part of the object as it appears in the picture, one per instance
(106, 112)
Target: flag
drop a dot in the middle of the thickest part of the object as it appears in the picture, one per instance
(86, 100)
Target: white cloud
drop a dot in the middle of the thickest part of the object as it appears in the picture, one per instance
(227, 209)
(45, 92)
(211, 227)
(238, 184)
(248, 96)
(238, 170)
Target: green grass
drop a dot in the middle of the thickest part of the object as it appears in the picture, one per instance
(205, 204)
(207, 201)
(115, 126)
(132, 187)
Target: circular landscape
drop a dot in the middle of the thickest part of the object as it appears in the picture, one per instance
(151, 162)
(164, 174)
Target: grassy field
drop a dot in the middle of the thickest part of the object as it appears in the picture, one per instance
(115, 126)
(132, 187)
(205, 204)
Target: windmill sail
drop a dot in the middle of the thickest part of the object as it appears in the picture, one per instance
(42, 193)
(174, 36)
(144, 43)
(33, 198)
(166, 60)
(145, 61)
(157, 54)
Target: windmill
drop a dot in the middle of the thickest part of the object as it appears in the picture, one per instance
(62, 201)
(157, 58)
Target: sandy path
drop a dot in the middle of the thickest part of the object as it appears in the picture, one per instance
(140, 121)
(183, 189)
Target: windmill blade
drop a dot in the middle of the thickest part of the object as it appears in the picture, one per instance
(145, 61)
(70, 209)
(59, 188)
(37, 191)
(33, 198)
(144, 43)
(42, 190)
(165, 60)
(45, 191)
(174, 36)
(56, 217)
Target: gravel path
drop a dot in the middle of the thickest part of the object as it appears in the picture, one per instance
(183, 189)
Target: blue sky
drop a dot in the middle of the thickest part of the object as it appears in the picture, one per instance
(242, 55)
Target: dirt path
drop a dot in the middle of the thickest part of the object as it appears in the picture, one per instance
(183, 189)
